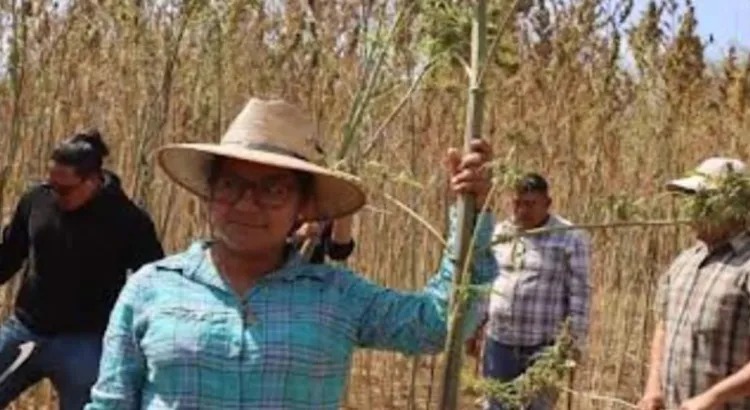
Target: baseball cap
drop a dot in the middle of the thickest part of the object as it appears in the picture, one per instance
(704, 176)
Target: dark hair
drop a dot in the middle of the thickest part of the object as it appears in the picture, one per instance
(84, 151)
(305, 180)
(532, 182)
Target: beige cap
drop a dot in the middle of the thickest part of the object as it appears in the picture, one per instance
(704, 177)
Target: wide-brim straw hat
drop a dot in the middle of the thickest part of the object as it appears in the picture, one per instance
(274, 133)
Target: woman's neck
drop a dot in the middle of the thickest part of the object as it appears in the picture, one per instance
(243, 270)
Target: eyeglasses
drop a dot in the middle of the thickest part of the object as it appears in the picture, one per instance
(271, 192)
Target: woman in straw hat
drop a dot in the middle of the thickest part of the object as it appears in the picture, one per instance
(240, 321)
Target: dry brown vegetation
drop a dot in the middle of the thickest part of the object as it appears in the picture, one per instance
(559, 100)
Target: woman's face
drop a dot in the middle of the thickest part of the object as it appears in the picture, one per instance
(254, 207)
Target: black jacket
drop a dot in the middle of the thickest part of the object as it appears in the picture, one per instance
(76, 261)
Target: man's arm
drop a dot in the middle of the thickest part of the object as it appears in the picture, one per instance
(340, 244)
(733, 387)
(653, 395)
(341, 230)
(15, 246)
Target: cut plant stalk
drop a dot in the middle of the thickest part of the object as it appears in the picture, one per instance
(451, 377)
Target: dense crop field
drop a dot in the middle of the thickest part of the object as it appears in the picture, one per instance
(386, 83)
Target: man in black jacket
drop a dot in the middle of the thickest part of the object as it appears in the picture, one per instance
(79, 235)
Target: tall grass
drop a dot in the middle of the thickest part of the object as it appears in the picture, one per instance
(559, 99)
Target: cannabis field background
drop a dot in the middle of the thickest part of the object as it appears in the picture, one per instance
(386, 81)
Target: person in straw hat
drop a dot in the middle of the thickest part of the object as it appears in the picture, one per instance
(239, 321)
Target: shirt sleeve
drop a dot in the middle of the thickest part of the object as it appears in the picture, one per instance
(334, 250)
(661, 300)
(660, 307)
(122, 368)
(417, 322)
(579, 288)
(14, 248)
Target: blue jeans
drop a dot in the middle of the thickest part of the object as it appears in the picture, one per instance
(504, 363)
(71, 362)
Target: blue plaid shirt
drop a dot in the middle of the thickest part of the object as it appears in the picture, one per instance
(179, 338)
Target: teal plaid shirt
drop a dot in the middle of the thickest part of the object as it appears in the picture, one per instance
(179, 338)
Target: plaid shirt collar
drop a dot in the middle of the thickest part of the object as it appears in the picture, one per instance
(196, 265)
(741, 242)
(509, 225)
(738, 244)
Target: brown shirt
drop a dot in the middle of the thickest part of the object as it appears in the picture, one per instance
(704, 302)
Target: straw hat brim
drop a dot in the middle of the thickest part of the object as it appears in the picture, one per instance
(335, 194)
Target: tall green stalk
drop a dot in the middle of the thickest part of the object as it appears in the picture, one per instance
(451, 377)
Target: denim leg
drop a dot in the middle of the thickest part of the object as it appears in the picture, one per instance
(12, 335)
(547, 398)
(502, 364)
(73, 361)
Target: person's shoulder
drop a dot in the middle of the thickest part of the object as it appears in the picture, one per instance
(160, 275)
(689, 251)
(134, 214)
(140, 215)
(36, 190)
(559, 220)
(119, 199)
(179, 262)
(685, 258)
(741, 246)
(35, 194)
(571, 232)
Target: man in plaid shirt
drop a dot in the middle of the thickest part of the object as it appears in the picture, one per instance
(543, 281)
(700, 351)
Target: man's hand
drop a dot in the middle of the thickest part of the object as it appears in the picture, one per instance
(652, 401)
(474, 346)
(705, 401)
(469, 173)
(308, 230)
